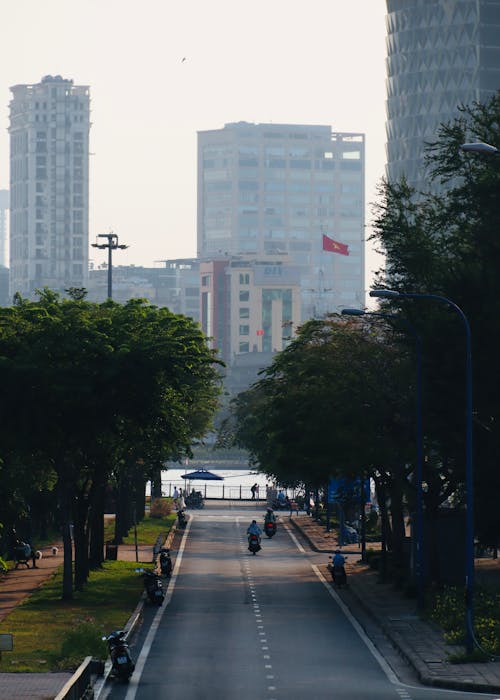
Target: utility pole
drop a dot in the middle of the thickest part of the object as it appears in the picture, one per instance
(111, 245)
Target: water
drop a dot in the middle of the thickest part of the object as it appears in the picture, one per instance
(236, 485)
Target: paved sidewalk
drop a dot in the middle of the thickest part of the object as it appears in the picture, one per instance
(419, 642)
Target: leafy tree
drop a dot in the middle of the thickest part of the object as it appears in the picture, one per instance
(444, 241)
(89, 387)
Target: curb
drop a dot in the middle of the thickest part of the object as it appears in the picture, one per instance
(400, 644)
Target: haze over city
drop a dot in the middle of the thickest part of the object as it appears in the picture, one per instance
(158, 72)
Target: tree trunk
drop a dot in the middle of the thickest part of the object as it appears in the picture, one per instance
(96, 526)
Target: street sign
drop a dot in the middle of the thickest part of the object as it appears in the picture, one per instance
(6, 643)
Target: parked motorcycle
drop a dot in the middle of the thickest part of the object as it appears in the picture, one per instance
(270, 528)
(181, 519)
(338, 573)
(165, 562)
(122, 665)
(253, 543)
(153, 586)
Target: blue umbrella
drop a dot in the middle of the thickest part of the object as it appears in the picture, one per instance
(202, 475)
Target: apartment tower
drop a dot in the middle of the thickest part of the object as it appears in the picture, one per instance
(440, 54)
(49, 183)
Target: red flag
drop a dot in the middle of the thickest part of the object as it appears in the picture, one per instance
(260, 332)
(334, 247)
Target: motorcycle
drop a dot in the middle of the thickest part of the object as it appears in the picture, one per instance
(165, 562)
(253, 544)
(153, 586)
(270, 528)
(339, 576)
(122, 665)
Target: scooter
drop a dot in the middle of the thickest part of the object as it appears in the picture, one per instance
(122, 665)
(253, 544)
(153, 586)
(165, 562)
(269, 528)
(339, 576)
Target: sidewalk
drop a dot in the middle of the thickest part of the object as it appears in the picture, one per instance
(419, 642)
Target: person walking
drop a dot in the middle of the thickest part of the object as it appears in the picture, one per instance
(253, 490)
(175, 497)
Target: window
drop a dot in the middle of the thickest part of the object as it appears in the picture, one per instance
(244, 278)
(244, 312)
(244, 346)
(244, 296)
(205, 280)
(244, 330)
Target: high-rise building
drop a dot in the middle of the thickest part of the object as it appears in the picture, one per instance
(49, 183)
(4, 208)
(440, 54)
(276, 189)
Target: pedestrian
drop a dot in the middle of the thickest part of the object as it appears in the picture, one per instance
(181, 503)
(175, 496)
(33, 556)
(253, 489)
(257, 489)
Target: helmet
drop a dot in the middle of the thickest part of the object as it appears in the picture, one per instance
(254, 521)
(269, 510)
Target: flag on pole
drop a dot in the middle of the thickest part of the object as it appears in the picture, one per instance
(334, 247)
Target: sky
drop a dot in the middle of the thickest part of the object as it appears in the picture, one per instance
(160, 71)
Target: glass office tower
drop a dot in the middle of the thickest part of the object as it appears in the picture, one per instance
(440, 54)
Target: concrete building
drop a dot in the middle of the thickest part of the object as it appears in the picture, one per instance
(249, 304)
(275, 189)
(440, 54)
(49, 182)
(174, 284)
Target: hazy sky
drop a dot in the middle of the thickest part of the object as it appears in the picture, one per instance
(315, 62)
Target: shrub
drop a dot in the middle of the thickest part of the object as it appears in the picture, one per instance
(160, 507)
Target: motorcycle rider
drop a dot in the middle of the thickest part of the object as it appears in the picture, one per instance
(338, 560)
(254, 529)
(270, 516)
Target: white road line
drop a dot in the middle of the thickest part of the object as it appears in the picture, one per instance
(139, 667)
(297, 543)
(391, 676)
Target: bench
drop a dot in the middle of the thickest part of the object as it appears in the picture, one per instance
(22, 554)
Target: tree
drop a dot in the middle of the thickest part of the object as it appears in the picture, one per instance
(87, 386)
(444, 241)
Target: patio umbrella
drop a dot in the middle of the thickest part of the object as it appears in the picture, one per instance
(202, 475)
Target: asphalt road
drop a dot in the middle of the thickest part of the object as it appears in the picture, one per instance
(267, 627)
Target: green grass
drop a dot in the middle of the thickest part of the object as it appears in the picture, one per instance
(41, 624)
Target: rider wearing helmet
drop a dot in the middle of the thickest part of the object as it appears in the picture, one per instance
(270, 516)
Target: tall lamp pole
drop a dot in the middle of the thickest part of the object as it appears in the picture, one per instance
(420, 446)
(469, 475)
(111, 245)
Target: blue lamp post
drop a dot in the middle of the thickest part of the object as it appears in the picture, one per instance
(420, 447)
(469, 480)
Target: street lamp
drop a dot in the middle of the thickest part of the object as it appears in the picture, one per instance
(111, 245)
(469, 481)
(480, 147)
(420, 447)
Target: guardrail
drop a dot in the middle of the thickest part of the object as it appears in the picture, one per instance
(79, 686)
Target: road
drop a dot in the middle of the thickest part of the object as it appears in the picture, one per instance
(265, 627)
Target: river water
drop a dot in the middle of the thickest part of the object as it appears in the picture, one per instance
(236, 483)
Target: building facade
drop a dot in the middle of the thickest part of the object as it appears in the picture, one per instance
(249, 304)
(275, 189)
(49, 185)
(440, 54)
(4, 210)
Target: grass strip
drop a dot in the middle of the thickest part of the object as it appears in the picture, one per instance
(51, 634)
